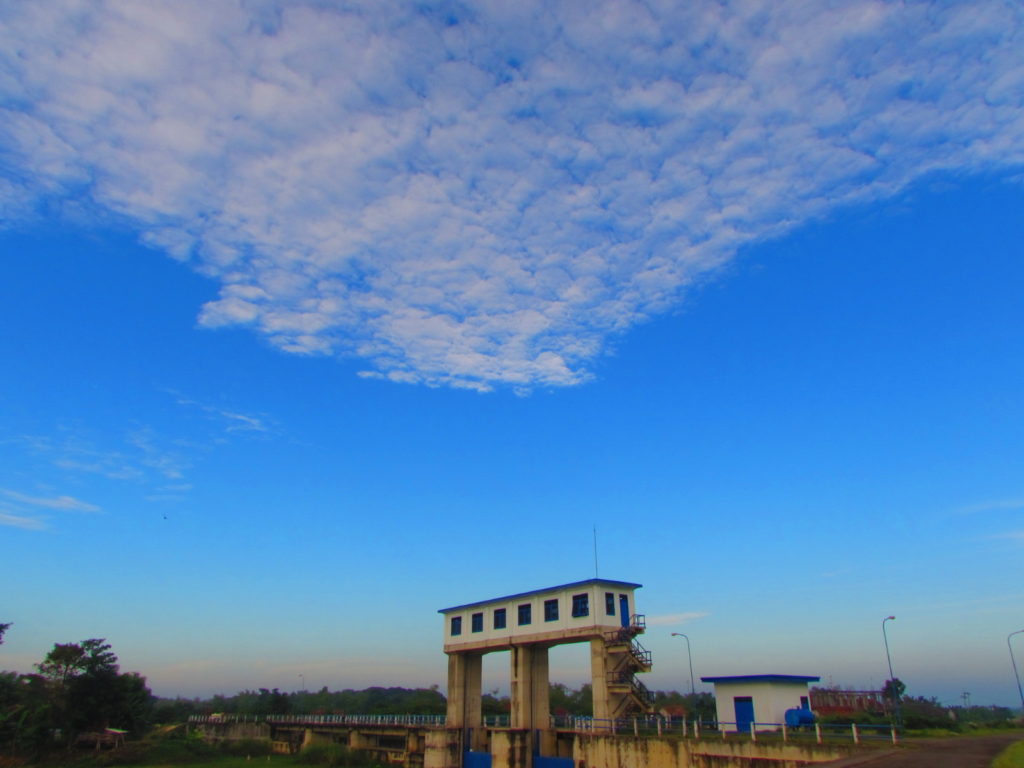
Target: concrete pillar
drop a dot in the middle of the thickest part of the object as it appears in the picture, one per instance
(465, 705)
(531, 695)
(599, 680)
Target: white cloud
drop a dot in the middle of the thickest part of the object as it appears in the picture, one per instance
(1010, 536)
(233, 421)
(481, 196)
(992, 506)
(674, 619)
(63, 503)
(19, 521)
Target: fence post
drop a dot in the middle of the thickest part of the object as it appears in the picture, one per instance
(684, 726)
(856, 736)
(895, 738)
(784, 739)
(659, 726)
(696, 729)
(636, 728)
(753, 731)
(817, 732)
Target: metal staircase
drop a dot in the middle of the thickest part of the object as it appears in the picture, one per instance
(626, 658)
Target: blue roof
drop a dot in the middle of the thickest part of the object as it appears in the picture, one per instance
(761, 679)
(585, 583)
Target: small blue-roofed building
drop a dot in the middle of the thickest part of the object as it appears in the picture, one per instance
(761, 700)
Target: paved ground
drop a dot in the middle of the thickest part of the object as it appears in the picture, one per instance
(961, 752)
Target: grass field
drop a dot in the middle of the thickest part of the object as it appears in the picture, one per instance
(1011, 757)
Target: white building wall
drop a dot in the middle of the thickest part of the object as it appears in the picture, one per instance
(597, 617)
(771, 700)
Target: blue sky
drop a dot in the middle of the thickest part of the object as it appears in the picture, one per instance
(314, 321)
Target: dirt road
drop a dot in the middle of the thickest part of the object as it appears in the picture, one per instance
(962, 752)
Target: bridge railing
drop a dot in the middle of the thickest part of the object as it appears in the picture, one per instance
(646, 725)
(324, 719)
(651, 725)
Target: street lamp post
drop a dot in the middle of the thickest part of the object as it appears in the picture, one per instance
(1014, 662)
(689, 656)
(892, 677)
(302, 677)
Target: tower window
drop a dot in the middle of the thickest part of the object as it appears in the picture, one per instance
(580, 605)
(551, 610)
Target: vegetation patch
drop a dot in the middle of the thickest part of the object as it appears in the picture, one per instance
(335, 756)
(1011, 757)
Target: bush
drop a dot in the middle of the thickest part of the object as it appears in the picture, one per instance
(861, 718)
(334, 756)
(246, 747)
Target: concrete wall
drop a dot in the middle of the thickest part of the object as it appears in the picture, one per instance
(667, 752)
(771, 700)
(511, 749)
(442, 748)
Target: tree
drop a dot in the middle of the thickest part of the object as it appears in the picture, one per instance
(3, 630)
(87, 691)
(893, 690)
(69, 660)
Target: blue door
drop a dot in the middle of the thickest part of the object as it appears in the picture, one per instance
(476, 760)
(624, 610)
(744, 713)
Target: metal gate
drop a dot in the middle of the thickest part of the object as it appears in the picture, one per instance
(539, 761)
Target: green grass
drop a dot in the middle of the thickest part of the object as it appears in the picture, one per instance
(276, 761)
(1011, 757)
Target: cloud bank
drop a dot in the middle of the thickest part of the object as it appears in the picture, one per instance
(481, 195)
(674, 619)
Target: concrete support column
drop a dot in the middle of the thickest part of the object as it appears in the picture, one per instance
(599, 670)
(465, 706)
(531, 695)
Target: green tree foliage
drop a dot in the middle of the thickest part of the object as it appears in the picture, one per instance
(78, 687)
(919, 712)
(493, 704)
(983, 716)
(369, 701)
(567, 701)
(177, 710)
(894, 689)
(691, 706)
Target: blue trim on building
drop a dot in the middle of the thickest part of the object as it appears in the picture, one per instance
(761, 679)
(587, 582)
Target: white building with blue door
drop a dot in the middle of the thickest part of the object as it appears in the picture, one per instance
(759, 699)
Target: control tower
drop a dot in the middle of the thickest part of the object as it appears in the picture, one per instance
(596, 611)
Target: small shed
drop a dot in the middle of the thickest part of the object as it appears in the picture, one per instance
(760, 699)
